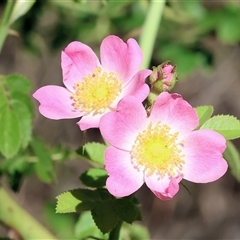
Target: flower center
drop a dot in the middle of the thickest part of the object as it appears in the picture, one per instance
(158, 150)
(97, 91)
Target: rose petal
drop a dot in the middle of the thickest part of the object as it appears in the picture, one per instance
(203, 156)
(164, 188)
(55, 102)
(78, 60)
(123, 178)
(118, 56)
(175, 112)
(120, 128)
(89, 121)
(137, 86)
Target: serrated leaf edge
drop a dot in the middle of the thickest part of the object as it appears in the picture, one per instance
(222, 115)
(57, 197)
(97, 225)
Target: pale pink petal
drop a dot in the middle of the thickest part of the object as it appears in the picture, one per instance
(118, 56)
(175, 112)
(55, 102)
(120, 128)
(203, 156)
(123, 178)
(78, 60)
(164, 188)
(168, 72)
(89, 121)
(137, 86)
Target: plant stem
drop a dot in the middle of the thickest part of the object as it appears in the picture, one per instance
(12, 215)
(115, 233)
(5, 21)
(150, 29)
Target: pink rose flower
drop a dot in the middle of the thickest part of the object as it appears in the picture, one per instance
(94, 88)
(159, 148)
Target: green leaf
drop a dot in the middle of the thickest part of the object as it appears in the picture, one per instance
(85, 227)
(18, 83)
(228, 126)
(77, 200)
(62, 225)
(18, 163)
(10, 138)
(126, 210)
(204, 113)
(105, 216)
(94, 177)
(93, 151)
(3, 99)
(44, 166)
(231, 154)
(87, 195)
(24, 120)
(104, 194)
(25, 99)
(67, 202)
(85, 206)
(15, 168)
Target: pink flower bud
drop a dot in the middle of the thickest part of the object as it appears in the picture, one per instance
(163, 78)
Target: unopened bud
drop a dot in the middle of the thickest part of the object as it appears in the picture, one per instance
(163, 78)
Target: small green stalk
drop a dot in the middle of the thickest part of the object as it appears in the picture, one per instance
(115, 233)
(12, 215)
(150, 29)
(5, 21)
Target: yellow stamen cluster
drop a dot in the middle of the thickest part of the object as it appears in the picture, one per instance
(97, 91)
(157, 150)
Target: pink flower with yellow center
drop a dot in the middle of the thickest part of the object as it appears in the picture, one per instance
(94, 88)
(160, 148)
